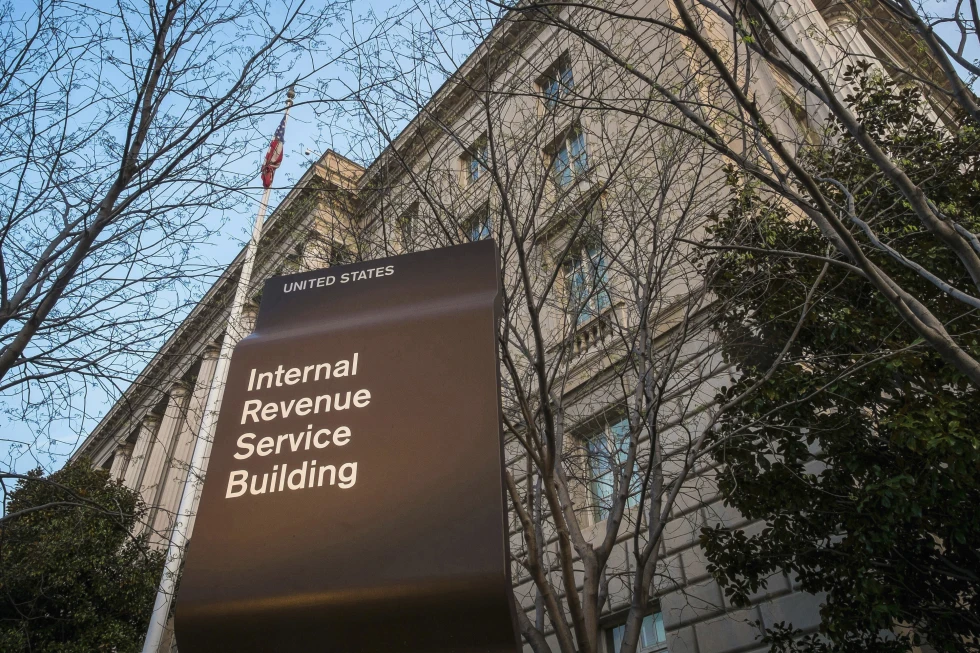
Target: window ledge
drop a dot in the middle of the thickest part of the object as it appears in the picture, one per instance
(592, 333)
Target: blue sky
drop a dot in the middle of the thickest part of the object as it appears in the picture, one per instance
(310, 132)
(307, 131)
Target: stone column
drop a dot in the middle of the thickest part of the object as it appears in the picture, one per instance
(176, 472)
(845, 34)
(207, 450)
(806, 29)
(845, 46)
(158, 459)
(144, 441)
(120, 461)
(250, 313)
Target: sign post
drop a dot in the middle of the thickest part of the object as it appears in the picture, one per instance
(355, 498)
(233, 333)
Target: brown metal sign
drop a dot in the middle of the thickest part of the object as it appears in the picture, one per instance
(354, 499)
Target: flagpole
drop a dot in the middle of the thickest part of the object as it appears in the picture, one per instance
(190, 494)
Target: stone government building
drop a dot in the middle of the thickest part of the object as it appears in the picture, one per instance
(538, 109)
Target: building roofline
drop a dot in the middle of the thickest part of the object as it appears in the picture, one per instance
(157, 365)
(512, 20)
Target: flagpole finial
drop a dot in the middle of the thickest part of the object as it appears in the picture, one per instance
(290, 94)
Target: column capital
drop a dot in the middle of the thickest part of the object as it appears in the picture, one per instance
(180, 388)
(835, 13)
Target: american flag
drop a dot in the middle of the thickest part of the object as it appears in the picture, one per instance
(274, 156)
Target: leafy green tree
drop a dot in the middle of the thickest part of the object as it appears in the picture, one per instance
(73, 578)
(862, 451)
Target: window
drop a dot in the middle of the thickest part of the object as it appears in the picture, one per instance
(807, 128)
(557, 82)
(406, 224)
(476, 160)
(570, 159)
(480, 226)
(803, 121)
(652, 635)
(340, 254)
(586, 277)
(607, 450)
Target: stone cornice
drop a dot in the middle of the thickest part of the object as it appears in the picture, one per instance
(204, 324)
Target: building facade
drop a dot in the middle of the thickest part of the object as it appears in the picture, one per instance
(547, 143)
